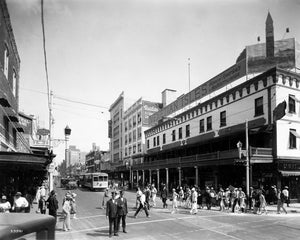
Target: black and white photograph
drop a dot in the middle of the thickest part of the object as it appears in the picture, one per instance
(149, 119)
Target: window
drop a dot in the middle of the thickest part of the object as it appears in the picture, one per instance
(139, 117)
(125, 152)
(187, 130)
(154, 141)
(134, 136)
(139, 133)
(173, 135)
(125, 126)
(139, 147)
(179, 133)
(134, 121)
(293, 138)
(125, 139)
(148, 143)
(129, 136)
(259, 106)
(134, 149)
(130, 124)
(164, 138)
(292, 104)
(15, 138)
(157, 140)
(6, 59)
(208, 123)
(201, 125)
(14, 83)
(223, 119)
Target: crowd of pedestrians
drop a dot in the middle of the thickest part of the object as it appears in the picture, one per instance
(232, 199)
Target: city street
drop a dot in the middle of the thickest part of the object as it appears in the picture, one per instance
(92, 223)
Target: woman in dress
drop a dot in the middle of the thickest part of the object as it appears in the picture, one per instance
(174, 202)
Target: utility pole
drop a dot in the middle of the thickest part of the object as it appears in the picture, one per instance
(51, 169)
(247, 162)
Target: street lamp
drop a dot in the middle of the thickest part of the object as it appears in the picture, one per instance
(67, 135)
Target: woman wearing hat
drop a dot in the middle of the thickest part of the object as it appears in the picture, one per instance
(4, 205)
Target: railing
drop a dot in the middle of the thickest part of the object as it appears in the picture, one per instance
(15, 225)
(198, 158)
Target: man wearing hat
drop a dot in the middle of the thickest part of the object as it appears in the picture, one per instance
(194, 196)
(20, 203)
(4, 205)
(122, 211)
(112, 214)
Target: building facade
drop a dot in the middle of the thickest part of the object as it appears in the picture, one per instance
(21, 167)
(198, 146)
(115, 131)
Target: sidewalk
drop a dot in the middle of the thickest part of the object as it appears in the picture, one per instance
(293, 208)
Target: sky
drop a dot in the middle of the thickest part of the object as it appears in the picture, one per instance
(98, 48)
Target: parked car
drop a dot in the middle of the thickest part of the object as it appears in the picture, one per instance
(71, 185)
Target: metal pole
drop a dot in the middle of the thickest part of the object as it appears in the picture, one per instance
(50, 140)
(247, 161)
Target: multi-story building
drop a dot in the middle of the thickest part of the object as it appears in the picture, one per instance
(115, 131)
(20, 169)
(258, 108)
(96, 160)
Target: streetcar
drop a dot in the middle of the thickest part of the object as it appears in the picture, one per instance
(94, 181)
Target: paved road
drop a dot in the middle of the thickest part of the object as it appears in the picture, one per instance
(92, 223)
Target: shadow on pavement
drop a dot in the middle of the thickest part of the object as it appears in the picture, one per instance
(98, 233)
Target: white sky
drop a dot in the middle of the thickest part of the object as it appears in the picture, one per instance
(98, 48)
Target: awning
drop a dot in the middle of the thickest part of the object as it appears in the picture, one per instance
(3, 100)
(290, 173)
(294, 133)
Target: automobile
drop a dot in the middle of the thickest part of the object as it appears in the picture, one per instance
(71, 185)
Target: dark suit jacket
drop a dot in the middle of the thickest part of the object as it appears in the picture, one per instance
(122, 207)
(112, 209)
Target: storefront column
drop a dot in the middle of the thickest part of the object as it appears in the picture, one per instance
(197, 177)
(167, 179)
(179, 176)
(130, 177)
(143, 178)
(137, 177)
(150, 177)
(157, 170)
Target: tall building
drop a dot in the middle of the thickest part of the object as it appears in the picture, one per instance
(115, 131)
(74, 157)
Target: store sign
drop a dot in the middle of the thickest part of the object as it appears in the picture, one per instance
(231, 74)
(289, 166)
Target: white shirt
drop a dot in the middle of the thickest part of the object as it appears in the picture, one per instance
(4, 207)
(21, 202)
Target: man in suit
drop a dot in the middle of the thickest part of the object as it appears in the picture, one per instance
(122, 211)
(112, 214)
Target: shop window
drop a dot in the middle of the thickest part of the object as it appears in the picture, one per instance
(292, 104)
(223, 119)
(259, 106)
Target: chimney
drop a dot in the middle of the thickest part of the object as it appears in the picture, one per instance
(168, 96)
